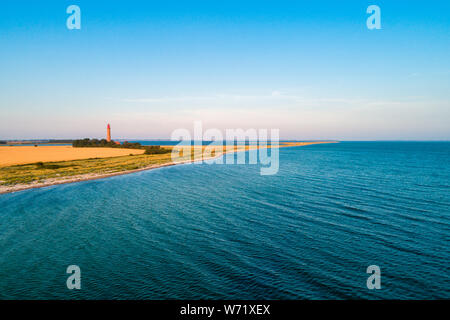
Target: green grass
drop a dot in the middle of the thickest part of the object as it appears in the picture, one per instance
(41, 171)
(28, 173)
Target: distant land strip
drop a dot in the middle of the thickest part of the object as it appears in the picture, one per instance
(43, 174)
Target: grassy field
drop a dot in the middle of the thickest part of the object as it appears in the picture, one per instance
(27, 173)
(41, 171)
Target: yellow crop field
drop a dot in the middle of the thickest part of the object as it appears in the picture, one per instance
(13, 155)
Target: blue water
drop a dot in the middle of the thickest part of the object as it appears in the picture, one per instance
(173, 143)
(224, 231)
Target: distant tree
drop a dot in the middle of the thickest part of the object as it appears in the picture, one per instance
(91, 143)
(155, 150)
(2, 142)
(129, 145)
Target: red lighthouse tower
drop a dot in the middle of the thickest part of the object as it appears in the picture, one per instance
(108, 133)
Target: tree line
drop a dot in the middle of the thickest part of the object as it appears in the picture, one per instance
(103, 143)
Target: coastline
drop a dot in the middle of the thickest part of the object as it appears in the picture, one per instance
(4, 189)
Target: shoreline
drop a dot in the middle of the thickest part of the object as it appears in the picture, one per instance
(95, 176)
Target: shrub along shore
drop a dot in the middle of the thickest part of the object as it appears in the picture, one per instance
(103, 143)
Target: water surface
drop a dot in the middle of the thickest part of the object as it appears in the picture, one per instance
(224, 231)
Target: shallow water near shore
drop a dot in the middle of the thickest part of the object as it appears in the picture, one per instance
(202, 231)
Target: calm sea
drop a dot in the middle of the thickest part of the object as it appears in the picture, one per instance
(225, 231)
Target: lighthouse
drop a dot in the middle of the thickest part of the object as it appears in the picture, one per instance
(108, 133)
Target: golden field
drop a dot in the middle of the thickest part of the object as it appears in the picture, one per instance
(40, 173)
(13, 155)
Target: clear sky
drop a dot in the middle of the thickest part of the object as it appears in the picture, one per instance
(310, 68)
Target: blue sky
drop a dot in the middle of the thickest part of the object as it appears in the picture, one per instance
(310, 68)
